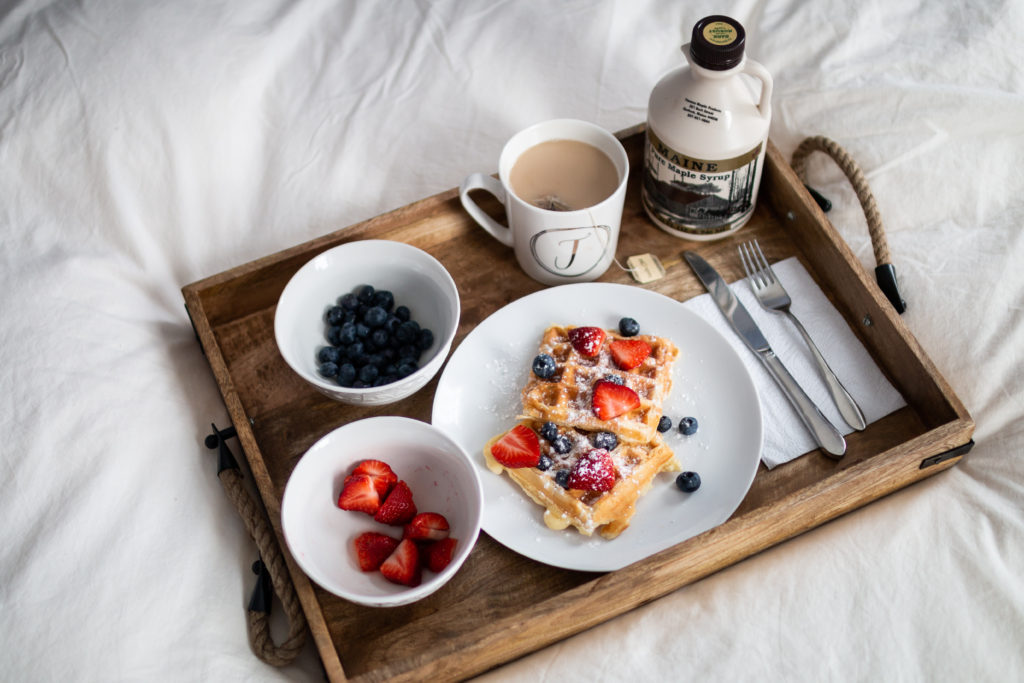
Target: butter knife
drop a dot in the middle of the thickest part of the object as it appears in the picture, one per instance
(825, 433)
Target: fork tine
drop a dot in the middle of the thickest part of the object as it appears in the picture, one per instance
(749, 265)
(766, 268)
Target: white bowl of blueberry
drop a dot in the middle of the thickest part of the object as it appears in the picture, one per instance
(368, 322)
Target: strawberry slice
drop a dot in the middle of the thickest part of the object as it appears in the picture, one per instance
(372, 549)
(403, 565)
(629, 353)
(586, 340)
(438, 555)
(520, 447)
(398, 508)
(611, 400)
(426, 526)
(381, 473)
(595, 471)
(359, 495)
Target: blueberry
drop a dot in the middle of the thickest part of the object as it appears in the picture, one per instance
(561, 444)
(545, 463)
(368, 373)
(390, 377)
(384, 299)
(406, 368)
(349, 302)
(544, 366)
(376, 360)
(379, 337)
(347, 334)
(328, 354)
(562, 478)
(346, 374)
(359, 384)
(688, 481)
(356, 349)
(549, 430)
(392, 323)
(664, 424)
(335, 315)
(407, 332)
(365, 294)
(688, 425)
(362, 330)
(408, 351)
(328, 369)
(402, 313)
(606, 440)
(425, 339)
(615, 379)
(629, 327)
(379, 382)
(333, 335)
(375, 316)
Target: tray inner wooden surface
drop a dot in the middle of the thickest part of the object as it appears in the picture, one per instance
(496, 587)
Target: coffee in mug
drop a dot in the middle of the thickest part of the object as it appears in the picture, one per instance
(563, 185)
(563, 175)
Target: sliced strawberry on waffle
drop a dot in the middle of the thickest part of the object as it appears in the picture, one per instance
(438, 555)
(611, 400)
(383, 476)
(398, 508)
(372, 549)
(403, 565)
(586, 340)
(426, 526)
(359, 494)
(594, 471)
(519, 447)
(629, 353)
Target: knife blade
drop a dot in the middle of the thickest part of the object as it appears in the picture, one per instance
(824, 432)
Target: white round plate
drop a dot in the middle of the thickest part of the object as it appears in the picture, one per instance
(478, 396)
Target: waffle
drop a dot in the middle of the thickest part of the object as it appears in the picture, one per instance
(565, 398)
(609, 512)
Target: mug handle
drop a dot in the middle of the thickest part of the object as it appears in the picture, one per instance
(482, 181)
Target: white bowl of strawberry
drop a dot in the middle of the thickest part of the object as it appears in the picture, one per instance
(382, 511)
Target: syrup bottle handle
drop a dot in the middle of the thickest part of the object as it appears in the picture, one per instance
(764, 104)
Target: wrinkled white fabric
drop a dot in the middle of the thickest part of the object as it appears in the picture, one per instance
(144, 146)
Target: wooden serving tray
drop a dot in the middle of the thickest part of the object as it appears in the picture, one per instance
(464, 628)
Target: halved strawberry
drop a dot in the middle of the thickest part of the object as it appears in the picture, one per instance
(372, 549)
(586, 340)
(438, 555)
(398, 508)
(359, 495)
(403, 565)
(426, 526)
(381, 473)
(629, 353)
(611, 400)
(520, 447)
(595, 471)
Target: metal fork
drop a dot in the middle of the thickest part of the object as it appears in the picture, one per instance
(773, 297)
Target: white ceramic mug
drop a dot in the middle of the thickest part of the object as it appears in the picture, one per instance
(554, 247)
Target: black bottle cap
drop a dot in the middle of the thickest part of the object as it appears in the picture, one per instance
(717, 42)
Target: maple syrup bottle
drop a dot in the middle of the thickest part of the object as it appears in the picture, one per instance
(707, 131)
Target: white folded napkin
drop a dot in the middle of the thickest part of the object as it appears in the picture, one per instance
(785, 436)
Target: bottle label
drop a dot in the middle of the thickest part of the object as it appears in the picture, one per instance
(698, 196)
(720, 33)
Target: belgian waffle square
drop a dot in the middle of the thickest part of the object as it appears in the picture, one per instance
(566, 397)
(609, 512)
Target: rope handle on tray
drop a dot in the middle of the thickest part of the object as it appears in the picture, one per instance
(270, 567)
(885, 274)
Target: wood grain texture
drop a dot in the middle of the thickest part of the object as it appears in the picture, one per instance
(463, 629)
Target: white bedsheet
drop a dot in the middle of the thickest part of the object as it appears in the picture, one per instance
(144, 146)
